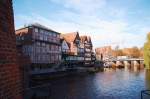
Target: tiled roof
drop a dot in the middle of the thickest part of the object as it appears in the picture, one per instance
(62, 39)
(70, 37)
(83, 38)
(89, 39)
(37, 25)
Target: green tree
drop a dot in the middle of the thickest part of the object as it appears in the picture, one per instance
(147, 52)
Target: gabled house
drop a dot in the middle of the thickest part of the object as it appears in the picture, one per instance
(103, 53)
(65, 49)
(64, 46)
(86, 43)
(75, 53)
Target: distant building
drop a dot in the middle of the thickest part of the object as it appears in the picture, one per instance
(10, 72)
(72, 52)
(86, 43)
(41, 45)
(103, 53)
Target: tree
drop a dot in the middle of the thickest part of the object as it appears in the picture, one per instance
(147, 52)
(118, 52)
(141, 52)
(135, 52)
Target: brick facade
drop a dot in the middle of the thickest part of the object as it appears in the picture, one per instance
(10, 82)
(103, 53)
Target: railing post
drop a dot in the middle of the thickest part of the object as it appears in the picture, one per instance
(141, 94)
(145, 92)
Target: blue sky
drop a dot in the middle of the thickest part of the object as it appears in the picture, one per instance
(108, 22)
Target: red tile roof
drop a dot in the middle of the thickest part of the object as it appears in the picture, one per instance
(70, 37)
(89, 39)
(83, 38)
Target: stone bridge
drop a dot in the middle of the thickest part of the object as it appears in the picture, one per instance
(135, 63)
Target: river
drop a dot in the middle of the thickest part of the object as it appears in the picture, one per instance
(110, 84)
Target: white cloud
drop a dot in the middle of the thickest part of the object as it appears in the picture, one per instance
(102, 31)
(82, 6)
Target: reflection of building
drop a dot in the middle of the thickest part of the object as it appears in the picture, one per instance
(103, 53)
(10, 75)
(41, 45)
(147, 79)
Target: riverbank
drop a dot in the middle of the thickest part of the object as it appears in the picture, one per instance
(65, 72)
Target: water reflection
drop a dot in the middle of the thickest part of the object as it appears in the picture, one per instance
(110, 84)
(147, 79)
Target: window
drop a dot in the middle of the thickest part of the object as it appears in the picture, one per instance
(55, 35)
(46, 32)
(22, 37)
(47, 47)
(43, 45)
(45, 38)
(55, 48)
(58, 35)
(50, 34)
(60, 57)
(41, 31)
(38, 43)
(41, 37)
(50, 47)
(36, 30)
(38, 49)
(38, 58)
(43, 50)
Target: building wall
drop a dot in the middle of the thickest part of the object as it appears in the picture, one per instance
(64, 46)
(10, 76)
(103, 53)
(75, 53)
(44, 47)
(87, 46)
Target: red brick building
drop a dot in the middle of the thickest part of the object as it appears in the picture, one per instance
(10, 76)
(103, 53)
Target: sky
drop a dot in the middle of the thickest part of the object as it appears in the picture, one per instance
(123, 23)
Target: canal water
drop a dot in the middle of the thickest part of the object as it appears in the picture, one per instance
(110, 84)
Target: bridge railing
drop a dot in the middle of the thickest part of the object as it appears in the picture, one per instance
(145, 94)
